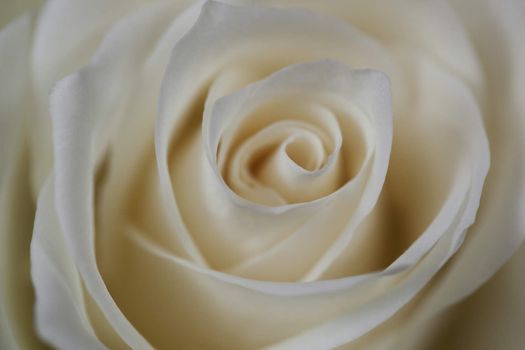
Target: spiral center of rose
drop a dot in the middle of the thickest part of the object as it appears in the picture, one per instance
(296, 136)
(288, 151)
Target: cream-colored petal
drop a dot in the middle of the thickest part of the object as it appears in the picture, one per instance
(16, 205)
(430, 27)
(185, 86)
(366, 100)
(498, 230)
(195, 305)
(66, 36)
(61, 316)
(464, 154)
(465, 123)
(491, 318)
(366, 301)
(85, 107)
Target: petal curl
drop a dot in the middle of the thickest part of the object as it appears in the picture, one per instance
(85, 108)
(57, 52)
(221, 33)
(61, 316)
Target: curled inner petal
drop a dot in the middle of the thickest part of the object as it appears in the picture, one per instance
(289, 161)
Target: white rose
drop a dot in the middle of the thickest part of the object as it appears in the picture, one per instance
(237, 175)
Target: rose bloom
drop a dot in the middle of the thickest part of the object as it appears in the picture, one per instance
(262, 174)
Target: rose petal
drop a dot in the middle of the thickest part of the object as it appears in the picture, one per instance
(499, 230)
(491, 318)
(83, 106)
(382, 296)
(187, 78)
(16, 206)
(465, 117)
(366, 98)
(58, 52)
(61, 316)
(431, 27)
